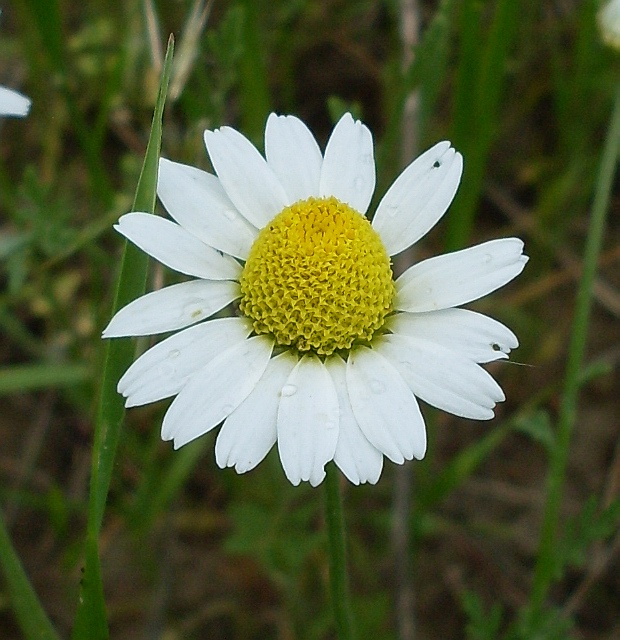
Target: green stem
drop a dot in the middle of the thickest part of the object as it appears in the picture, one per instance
(337, 554)
(545, 567)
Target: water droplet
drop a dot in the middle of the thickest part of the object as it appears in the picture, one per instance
(377, 386)
(359, 183)
(392, 210)
(175, 353)
(429, 290)
(330, 425)
(230, 214)
(487, 258)
(228, 409)
(289, 390)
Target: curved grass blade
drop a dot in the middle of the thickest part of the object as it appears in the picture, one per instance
(91, 619)
(31, 616)
(28, 377)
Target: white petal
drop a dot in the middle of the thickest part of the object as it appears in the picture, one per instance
(172, 308)
(418, 198)
(13, 103)
(460, 277)
(245, 175)
(307, 422)
(249, 432)
(175, 247)
(444, 380)
(466, 333)
(163, 370)
(359, 460)
(215, 391)
(348, 171)
(294, 155)
(384, 406)
(198, 202)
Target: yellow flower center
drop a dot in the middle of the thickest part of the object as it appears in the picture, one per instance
(318, 278)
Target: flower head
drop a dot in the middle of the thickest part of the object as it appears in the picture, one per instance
(609, 23)
(322, 352)
(13, 103)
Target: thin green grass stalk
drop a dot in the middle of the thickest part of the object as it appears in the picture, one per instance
(160, 485)
(428, 73)
(545, 567)
(20, 378)
(31, 617)
(254, 83)
(574, 84)
(480, 82)
(91, 619)
(338, 577)
(46, 16)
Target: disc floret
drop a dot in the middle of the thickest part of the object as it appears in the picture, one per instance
(318, 278)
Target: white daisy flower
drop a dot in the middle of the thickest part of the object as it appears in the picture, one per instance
(609, 23)
(326, 354)
(13, 103)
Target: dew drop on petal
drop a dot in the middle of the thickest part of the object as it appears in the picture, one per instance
(228, 409)
(175, 353)
(487, 258)
(330, 425)
(230, 214)
(392, 210)
(377, 386)
(289, 390)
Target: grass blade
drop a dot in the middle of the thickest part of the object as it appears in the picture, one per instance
(41, 376)
(544, 573)
(253, 81)
(91, 619)
(31, 616)
(480, 83)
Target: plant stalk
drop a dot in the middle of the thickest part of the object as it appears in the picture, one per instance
(338, 577)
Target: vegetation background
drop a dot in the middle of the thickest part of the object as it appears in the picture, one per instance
(447, 548)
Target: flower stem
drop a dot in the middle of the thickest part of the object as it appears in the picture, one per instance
(337, 554)
(545, 567)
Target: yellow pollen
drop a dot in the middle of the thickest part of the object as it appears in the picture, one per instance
(318, 278)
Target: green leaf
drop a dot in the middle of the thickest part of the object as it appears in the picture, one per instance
(484, 623)
(91, 618)
(593, 524)
(31, 616)
(538, 427)
(461, 467)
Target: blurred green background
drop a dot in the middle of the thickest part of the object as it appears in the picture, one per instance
(525, 91)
